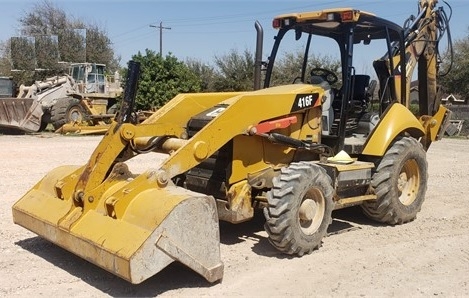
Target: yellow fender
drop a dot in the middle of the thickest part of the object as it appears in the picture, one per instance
(395, 121)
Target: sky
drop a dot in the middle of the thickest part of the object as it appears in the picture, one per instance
(203, 29)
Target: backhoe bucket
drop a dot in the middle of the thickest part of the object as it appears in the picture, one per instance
(20, 113)
(156, 227)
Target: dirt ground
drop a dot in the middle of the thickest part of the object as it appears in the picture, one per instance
(427, 257)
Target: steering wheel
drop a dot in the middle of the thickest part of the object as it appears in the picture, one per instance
(326, 74)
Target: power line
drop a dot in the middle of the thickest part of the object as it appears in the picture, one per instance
(129, 39)
(208, 20)
(237, 18)
(161, 35)
(130, 31)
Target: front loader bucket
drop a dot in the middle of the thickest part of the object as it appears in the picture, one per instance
(158, 226)
(21, 114)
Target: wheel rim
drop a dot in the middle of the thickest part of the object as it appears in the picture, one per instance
(408, 182)
(311, 211)
(75, 115)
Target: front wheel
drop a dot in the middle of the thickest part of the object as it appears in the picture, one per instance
(67, 110)
(400, 183)
(300, 208)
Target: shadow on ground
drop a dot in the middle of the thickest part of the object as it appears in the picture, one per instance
(177, 276)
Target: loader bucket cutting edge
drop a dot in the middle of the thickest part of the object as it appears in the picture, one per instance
(138, 245)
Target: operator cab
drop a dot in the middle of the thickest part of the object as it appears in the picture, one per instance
(90, 77)
(345, 39)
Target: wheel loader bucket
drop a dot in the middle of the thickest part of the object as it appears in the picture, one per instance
(157, 227)
(21, 114)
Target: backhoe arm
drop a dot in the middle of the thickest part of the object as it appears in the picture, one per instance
(421, 37)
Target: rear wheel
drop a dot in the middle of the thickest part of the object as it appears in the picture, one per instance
(300, 208)
(400, 182)
(66, 110)
(113, 109)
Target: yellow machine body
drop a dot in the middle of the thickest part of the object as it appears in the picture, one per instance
(227, 154)
(135, 225)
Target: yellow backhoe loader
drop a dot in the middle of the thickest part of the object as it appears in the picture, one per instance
(298, 151)
(83, 97)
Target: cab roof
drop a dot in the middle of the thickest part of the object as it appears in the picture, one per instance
(335, 22)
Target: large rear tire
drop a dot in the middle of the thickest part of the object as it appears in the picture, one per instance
(400, 182)
(113, 109)
(66, 110)
(300, 208)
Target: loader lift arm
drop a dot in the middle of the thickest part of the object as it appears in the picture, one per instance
(143, 205)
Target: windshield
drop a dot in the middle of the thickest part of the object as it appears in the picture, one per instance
(322, 53)
(6, 87)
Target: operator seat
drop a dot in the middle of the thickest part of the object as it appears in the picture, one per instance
(360, 99)
(358, 103)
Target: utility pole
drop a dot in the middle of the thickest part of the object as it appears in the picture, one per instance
(161, 35)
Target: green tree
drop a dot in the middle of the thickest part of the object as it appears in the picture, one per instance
(288, 67)
(78, 41)
(162, 78)
(456, 80)
(23, 53)
(234, 72)
(98, 47)
(205, 72)
(58, 37)
(47, 52)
